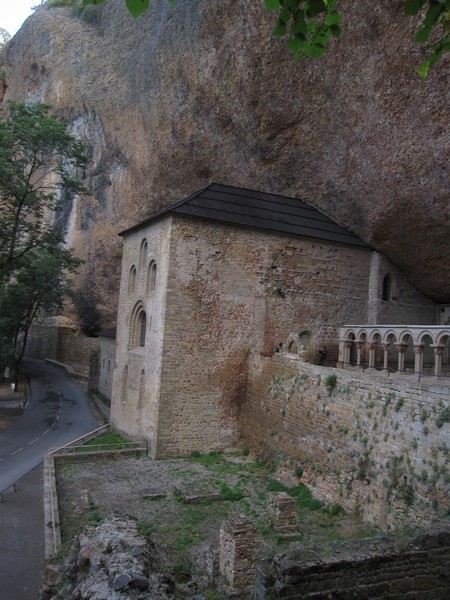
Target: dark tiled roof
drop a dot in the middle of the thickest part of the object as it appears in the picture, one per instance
(227, 204)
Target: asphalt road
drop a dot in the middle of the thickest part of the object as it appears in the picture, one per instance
(58, 413)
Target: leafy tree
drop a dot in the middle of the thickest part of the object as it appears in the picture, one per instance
(4, 37)
(308, 25)
(38, 163)
(38, 287)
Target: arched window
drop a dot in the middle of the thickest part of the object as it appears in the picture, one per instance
(387, 288)
(143, 254)
(132, 280)
(142, 326)
(151, 277)
(138, 327)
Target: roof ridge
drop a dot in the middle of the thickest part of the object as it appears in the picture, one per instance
(239, 206)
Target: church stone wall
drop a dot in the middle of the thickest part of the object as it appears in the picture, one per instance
(223, 293)
(106, 364)
(404, 304)
(135, 396)
(376, 444)
(232, 291)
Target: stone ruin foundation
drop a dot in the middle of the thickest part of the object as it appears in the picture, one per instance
(238, 553)
(283, 513)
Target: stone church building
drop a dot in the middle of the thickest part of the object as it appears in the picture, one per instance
(220, 276)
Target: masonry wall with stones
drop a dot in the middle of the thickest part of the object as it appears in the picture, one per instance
(376, 444)
(62, 344)
(106, 364)
(398, 301)
(222, 303)
(382, 568)
(135, 404)
(224, 292)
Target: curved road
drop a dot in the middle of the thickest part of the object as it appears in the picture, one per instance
(58, 413)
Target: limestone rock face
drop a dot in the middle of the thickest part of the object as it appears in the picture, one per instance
(200, 92)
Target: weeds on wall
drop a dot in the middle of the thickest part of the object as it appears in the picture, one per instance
(330, 381)
(88, 13)
(380, 426)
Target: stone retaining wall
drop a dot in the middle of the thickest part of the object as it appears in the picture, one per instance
(385, 568)
(62, 344)
(376, 444)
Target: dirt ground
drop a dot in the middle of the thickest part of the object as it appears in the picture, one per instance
(180, 504)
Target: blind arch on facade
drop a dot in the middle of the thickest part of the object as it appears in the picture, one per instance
(143, 253)
(132, 280)
(151, 276)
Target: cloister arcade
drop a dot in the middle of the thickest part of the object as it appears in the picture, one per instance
(423, 350)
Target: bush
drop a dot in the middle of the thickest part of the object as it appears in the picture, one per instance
(330, 381)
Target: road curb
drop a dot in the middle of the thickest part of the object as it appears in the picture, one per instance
(52, 533)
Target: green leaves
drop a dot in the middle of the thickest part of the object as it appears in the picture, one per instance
(272, 4)
(423, 34)
(433, 13)
(315, 7)
(307, 25)
(38, 159)
(435, 26)
(137, 7)
(412, 7)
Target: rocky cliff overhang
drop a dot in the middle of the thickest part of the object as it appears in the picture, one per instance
(201, 91)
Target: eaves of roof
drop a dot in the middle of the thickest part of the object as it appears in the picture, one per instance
(248, 208)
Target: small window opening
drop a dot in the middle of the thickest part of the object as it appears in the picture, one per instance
(151, 277)
(142, 326)
(132, 280)
(387, 288)
(143, 254)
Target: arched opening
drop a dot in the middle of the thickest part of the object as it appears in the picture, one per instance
(143, 253)
(445, 360)
(391, 346)
(387, 288)
(151, 277)
(375, 352)
(361, 348)
(353, 355)
(427, 355)
(305, 343)
(292, 343)
(142, 326)
(132, 280)
(138, 328)
(409, 355)
(292, 347)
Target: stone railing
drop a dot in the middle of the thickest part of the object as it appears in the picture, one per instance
(420, 349)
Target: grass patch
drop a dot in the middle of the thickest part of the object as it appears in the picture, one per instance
(111, 440)
(228, 493)
(181, 529)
